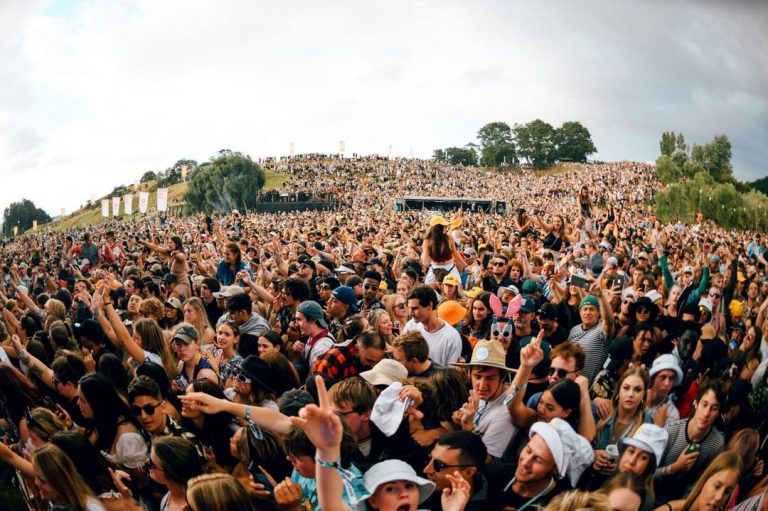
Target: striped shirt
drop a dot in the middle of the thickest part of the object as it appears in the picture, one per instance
(595, 345)
(675, 486)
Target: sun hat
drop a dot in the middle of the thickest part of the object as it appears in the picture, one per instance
(258, 371)
(667, 362)
(389, 471)
(312, 310)
(173, 302)
(644, 301)
(571, 451)
(650, 438)
(344, 269)
(438, 220)
(474, 292)
(488, 354)
(654, 296)
(451, 312)
(511, 288)
(385, 372)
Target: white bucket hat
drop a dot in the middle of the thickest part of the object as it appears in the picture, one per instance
(389, 471)
(667, 362)
(571, 451)
(650, 438)
(386, 372)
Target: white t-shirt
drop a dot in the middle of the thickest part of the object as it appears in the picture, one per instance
(4, 356)
(444, 345)
(495, 426)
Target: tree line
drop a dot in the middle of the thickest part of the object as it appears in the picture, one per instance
(700, 180)
(537, 142)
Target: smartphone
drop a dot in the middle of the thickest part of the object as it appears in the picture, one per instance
(619, 281)
(579, 282)
(486, 259)
(693, 447)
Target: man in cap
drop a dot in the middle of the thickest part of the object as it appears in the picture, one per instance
(546, 317)
(444, 341)
(665, 375)
(552, 462)
(312, 325)
(523, 330)
(593, 332)
(485, 413)
(341, 305)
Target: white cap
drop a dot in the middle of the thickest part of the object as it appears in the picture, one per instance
(650, 438)
(393, 470)
(688, 269)
(344, 269)
(667, 362)
(654, 295)
(228, 291)
(571, 451)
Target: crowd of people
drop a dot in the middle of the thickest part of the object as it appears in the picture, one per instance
(574, 354)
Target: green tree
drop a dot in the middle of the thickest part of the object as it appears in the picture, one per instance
(439, 155)
(21, 214)
(666, 169)
(715, 158)
(536, 143)
(497, 145)
(761, 185)
(668, 143)
(691, 168)
(574, 142)
(679, 157)
(148, 176)
(674, 204)
(231, 180)
(461, 155)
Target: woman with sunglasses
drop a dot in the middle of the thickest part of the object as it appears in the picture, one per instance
(114, 429)
(253, 384)
(397, 307)
(172, 462)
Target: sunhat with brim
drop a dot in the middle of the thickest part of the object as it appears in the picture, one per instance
(474, 292)
(667, 362)
(386, 372)
(650, 438)
(389, 471)
(451, 312)
(438, 220)
(488, 354)
(646, 302)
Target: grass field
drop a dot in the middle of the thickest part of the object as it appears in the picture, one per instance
(92, 215)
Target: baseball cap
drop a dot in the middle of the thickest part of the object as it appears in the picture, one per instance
(346, 295)
(186, 334)
(312, 310)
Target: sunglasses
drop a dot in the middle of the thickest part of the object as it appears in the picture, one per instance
(241, 377)
(324, 286)
(370, 286)
(147, 409)
(440, 465)
(628, 302)
(401, 306)
(715, 295)
(643, 310)
(498, 263)
(561, 373)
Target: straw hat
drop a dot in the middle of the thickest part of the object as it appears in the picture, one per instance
(488, 354)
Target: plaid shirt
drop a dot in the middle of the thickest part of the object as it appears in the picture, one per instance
(339, 362)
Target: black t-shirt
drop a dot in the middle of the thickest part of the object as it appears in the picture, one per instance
(491, 285)
(213, 312)
(557, 337)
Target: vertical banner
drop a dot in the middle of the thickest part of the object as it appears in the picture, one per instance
(115, 206)
(62, 213)
(15, 230)
(390, 150)
(143, 201)
(128, 200)
(342, 146)
(184, 170)
(162, 199)
(105, 208)
(292, 148)
(34, 225)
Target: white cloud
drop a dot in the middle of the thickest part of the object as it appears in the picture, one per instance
(96, 92)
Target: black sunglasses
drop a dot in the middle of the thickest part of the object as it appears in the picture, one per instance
(241, 377)
(498, 263)
(440, 465)
(147, 409)
(401, 306)
(643, 310)
(370, 286)
(561, 373)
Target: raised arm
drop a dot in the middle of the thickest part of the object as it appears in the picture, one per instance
(35, 366)
(156, 248)
(262, 417)
(522, 416)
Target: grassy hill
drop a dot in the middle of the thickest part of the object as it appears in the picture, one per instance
(92, 215)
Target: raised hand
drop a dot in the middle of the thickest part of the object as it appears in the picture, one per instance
(456, 497)
(206, 403)
(320, 423)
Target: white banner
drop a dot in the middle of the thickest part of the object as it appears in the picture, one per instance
(62, 213)
(143, 201)
(128, 200)
(184, 170)
(115, 206)
(342, 146)
(105, 208)
(15, 230)
(34, 225)
(162, 199)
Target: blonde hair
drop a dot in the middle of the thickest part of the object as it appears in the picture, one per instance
(57, 470)
(579, 501)
(201, 323)
(373, 319)
(44, 423)
(153, 340)
(728, 460)
(56, 312)
(641, 373)
(209, 492)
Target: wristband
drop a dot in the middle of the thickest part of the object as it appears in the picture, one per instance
(248, 413)
(511, 397)
(346, 476)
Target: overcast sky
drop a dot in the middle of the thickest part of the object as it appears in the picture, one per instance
(96, 92)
